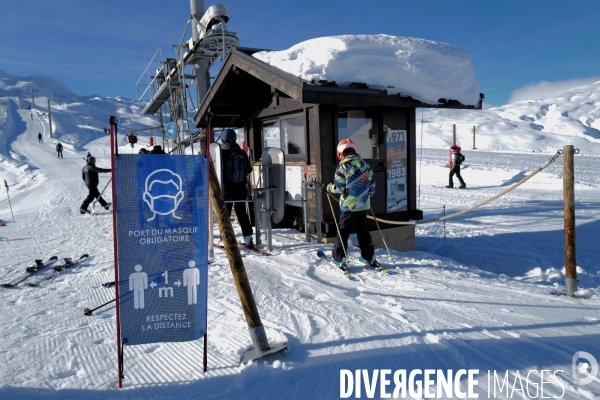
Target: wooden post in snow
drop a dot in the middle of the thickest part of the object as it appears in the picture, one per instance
(453, 134)
(453, 144)
(569, 210)
(255, 326)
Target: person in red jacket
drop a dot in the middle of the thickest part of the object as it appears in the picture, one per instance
(457, 159)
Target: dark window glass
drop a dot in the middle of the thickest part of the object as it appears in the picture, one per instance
(293, 135)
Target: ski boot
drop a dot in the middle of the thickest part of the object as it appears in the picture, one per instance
(373, 263)
(343, 265)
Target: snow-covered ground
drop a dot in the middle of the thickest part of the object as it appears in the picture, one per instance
(475, 297)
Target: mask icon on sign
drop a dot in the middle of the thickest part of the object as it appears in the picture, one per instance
(163, 192)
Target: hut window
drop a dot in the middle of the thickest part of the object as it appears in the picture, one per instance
(271, 135)
(360, 125)
(287, 134)
(294, 138)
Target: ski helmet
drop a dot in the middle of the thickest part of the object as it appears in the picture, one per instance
(228, 134)
(343, 146)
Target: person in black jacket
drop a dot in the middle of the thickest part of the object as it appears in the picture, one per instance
(237, 189)
(59, 149)
(89, 174)
(39, 135)
(157, 150)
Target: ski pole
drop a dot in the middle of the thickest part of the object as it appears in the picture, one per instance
(89, 312)
(336, 225)
(10, 205)
(100, 195)
(382, 238)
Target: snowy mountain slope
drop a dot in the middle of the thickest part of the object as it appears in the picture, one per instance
(78, 122)
(539, 125)
(42, 85)
(480, 299)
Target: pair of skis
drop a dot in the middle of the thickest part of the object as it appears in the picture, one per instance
(376, 267)
(345, 270)
(40, 265)
(57, 269)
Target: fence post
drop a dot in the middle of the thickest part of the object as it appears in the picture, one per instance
(453, 134)
(474, 138)
(318, 196)
(569, 210)
(305, 209)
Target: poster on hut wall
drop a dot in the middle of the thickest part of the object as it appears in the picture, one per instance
(396, 190)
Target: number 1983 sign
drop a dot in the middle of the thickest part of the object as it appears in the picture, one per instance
(395, 143)
(162, 250)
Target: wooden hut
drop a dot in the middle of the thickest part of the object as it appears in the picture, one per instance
(307, 120)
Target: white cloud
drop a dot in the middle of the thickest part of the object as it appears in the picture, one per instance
(545, 89)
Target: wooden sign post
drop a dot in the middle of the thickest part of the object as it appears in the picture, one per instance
(569, 210)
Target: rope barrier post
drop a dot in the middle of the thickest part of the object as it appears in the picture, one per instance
(453, 144)
(569, 210)
(453, 134)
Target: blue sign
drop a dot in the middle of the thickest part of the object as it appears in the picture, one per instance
(171, 130)
(161, 211)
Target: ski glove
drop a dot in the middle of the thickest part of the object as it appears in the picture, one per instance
(329, 188)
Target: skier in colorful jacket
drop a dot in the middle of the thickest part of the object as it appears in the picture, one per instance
(355, 184)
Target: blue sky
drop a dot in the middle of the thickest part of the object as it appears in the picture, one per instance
(102, 47)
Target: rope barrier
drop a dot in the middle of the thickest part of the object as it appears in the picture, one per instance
(512, 187)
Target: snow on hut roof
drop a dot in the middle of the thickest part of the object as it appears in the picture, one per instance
(423, 69)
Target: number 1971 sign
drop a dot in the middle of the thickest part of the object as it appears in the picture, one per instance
(396, 193)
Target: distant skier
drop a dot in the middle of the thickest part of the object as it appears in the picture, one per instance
(40, 137)
(355, 183)
(157, 150)
(59, 149)
(457, 159)
(90, 176)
